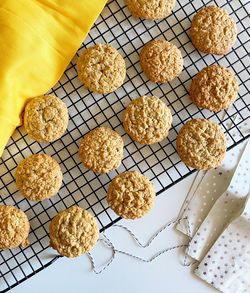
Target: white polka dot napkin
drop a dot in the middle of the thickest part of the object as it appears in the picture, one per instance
(206, 189)
(228, 206)
(227, 264)
(216, 217)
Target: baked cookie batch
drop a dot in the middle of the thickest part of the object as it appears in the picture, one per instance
(201, 144)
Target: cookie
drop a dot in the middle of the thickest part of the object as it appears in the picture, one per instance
(38, 177)
(147, 120)
(213, 31)
(101, 150)
(150, 9)
(214, 88)
(161, 61)
(131, 195)
(201, 144)
(46, 118)
(101, 69)
(73, 232)
(14, 227)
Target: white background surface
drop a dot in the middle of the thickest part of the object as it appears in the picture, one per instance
(165, 274)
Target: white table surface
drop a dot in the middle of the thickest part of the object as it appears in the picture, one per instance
(165, 274)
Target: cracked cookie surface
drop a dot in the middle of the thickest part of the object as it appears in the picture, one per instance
(150, 9)
(73, 232)
(101, 150)
(14, 227)
(201, 144)
(131, 195)
(147, 120)
(46, 118)
(38, 177)
(101, 68)
(214, 88)
(161, 61)
(213, 30)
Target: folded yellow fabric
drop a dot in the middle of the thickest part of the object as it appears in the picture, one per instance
(38, 39)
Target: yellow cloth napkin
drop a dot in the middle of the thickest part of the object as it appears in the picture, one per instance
(38, 39)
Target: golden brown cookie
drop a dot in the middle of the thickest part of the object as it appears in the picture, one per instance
(131, 195)
(213, 31)
(38, 177)
(101, 69)
(147, 120)
(14, 227)
(201, 144)
(161, 61)
(101, 150)
(46, 118)
(73, 232)
(150, 9)
(214, 88)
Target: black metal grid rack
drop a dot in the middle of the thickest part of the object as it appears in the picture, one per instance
(159, 162)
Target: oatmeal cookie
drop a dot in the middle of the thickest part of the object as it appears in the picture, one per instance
(101, 150)
(45, 118)
(214, 88)
(213, 30)
(14, 227)
(131, 195)
(73, 232)
(101, 69)
(150, 9)
(38, 177)
(147, 120)
(201, 144)
(161, 61)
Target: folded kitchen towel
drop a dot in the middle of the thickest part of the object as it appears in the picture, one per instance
(38, 40)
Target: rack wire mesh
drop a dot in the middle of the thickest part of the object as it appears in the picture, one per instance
(159, 162)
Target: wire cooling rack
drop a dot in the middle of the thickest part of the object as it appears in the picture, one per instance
(159, 162)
